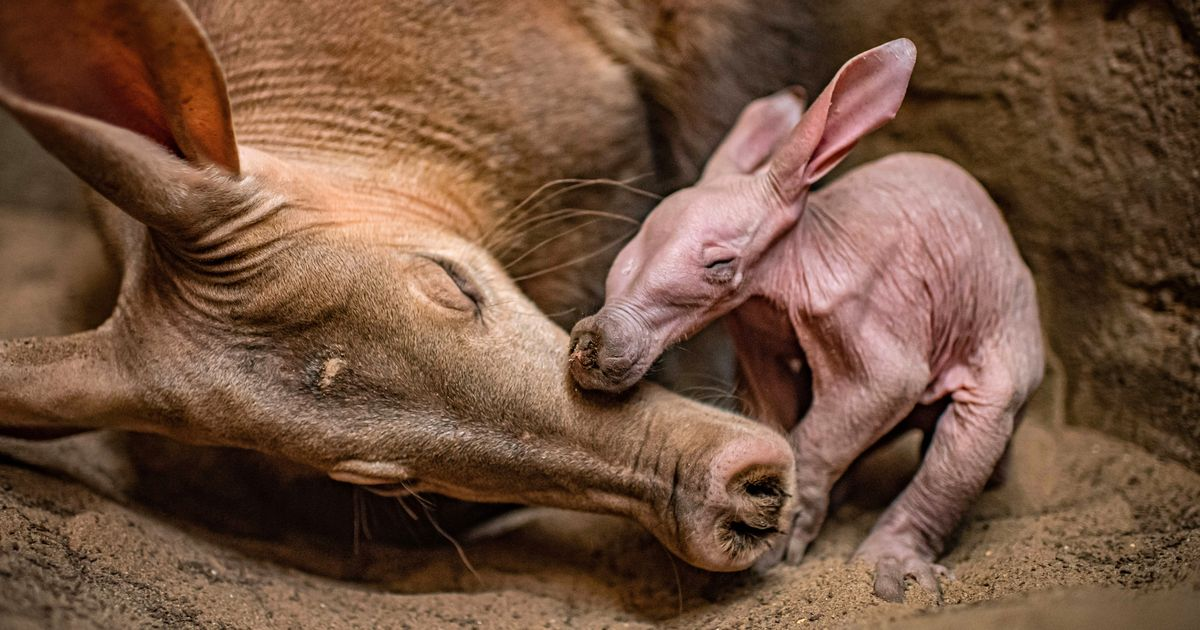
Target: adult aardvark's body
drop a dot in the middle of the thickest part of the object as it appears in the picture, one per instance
(333, 283)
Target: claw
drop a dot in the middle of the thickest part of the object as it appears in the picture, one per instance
(797, 545)
(891, 573)
(889, 580)
(928, 581)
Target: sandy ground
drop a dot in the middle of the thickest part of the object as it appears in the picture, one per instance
(110, 531)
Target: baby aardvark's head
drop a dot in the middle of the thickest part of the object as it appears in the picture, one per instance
(696, 256)
(686, 267)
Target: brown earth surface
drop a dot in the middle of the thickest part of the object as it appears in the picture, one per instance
(1081, 511)
(111, 531)
(1080, 118)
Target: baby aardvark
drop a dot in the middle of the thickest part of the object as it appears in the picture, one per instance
(899, 286)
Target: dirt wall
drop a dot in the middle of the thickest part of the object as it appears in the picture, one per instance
(1083, 121)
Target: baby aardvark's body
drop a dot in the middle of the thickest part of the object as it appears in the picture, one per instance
(899, 285)
(897, 295)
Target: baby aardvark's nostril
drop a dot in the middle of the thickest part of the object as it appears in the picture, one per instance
(595, 362)
(583, 349)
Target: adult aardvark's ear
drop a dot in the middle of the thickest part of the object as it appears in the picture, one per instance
(863, 96)
(127, 93)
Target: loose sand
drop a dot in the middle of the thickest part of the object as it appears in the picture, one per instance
(1088, 532)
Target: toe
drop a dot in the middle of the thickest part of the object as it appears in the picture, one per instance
(889, 580)
(924, 574)
(773, 556)
(796, 546)
(944, 573)
(891, 573)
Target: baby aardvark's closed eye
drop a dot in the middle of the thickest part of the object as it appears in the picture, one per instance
(719, 265)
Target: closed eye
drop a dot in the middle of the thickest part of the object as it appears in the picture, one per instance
(720, 271)
(462, 281)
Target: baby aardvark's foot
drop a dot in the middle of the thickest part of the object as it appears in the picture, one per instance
(894, 561)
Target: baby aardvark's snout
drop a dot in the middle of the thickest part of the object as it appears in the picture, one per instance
(604, 356)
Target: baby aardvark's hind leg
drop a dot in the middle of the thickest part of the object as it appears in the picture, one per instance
(853, 407)
(968, 441)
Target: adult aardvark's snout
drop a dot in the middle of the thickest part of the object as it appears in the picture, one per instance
(609, 352)
(746, 504)
(719, 486)
(727, 516)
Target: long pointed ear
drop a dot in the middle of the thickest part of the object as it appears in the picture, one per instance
(126, 93)
(863, 96)
(758, 132)
(63, 384)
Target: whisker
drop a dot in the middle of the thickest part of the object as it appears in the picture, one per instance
(521, 210)
(517, 208)
(356, 510)
(561, 313)
(533, 313)
(462, 555)
(678, 582)
(549, 240)
(584, 184)
(407, 510)
(368, 501)
(714, 395)
(574, 261)
(571, 213)
(394, 516)
(565, 214)
(417, 496)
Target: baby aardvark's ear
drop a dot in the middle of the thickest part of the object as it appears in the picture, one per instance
(759, 131)
(862, 97)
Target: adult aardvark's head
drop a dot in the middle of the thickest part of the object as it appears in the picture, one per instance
(337, 316)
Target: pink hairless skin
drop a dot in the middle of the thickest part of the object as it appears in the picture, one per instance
(898, 286)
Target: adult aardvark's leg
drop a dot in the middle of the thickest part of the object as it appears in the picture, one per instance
(968, 441)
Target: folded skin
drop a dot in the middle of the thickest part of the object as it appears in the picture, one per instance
(897, 286)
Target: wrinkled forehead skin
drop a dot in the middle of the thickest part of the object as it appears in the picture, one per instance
(692, 227)
(397, 327)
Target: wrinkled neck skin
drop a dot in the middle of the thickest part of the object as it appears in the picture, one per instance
(766, 256)
(778, 273)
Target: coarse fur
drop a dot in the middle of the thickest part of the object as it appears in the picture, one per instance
(319, 242)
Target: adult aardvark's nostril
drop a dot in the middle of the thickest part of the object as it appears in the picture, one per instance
(753, 479)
